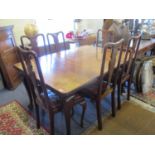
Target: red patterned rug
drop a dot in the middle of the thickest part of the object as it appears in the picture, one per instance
(15, 120)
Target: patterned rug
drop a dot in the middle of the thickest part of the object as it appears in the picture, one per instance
(15, 120)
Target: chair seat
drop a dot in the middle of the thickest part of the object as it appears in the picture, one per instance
(74, 98)
(92, 91)
(124, 78)
(56, 102)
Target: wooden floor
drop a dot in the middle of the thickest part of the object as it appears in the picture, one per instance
(132, 119)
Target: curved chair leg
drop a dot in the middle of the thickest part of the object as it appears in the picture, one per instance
(99, 117)
(119, 96)
(129, 87)
(37, 116)
(113, 106)
(51, 122)
(84, 106)
(122, 88)
(28, 89)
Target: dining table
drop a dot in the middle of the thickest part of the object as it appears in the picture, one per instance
(69, 71)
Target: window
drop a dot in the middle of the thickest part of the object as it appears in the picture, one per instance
(51, 26)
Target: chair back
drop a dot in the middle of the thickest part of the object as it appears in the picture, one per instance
(37, 43)
(131, 54)
(105, 36)
(33, 73)
(58, 41)
(115, 51)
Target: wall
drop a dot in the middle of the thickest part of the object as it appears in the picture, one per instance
(93, 24)
(18, 26)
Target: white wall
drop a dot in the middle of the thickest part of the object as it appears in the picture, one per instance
(93, 24)
(18, 26)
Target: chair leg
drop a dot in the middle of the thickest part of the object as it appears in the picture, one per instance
(51, 121)
(43, 112)
(37, 116)
(129, 87)
(67, 118)
(28, 89)
(72, 112)
(113, 103)
(84, 106)
(123, 88)
(98, 110)
(119, 96)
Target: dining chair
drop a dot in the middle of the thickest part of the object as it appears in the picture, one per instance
(127, 69)
(43, 97)
(107, 80)
(104, 36)
(37, 43)
(56, 41)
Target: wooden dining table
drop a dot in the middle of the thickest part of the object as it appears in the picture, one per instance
(67, 72)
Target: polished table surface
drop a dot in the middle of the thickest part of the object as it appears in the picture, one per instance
(67, 71)
(146, 45)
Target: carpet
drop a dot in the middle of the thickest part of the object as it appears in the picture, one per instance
(15, 120)
(20, 94)
(133, 119)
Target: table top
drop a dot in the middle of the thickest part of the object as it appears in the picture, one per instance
(67, 71)
(146, 44)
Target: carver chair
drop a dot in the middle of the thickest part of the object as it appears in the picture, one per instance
(56, 41)
(42, 97)
(126, 72)
(107, 80)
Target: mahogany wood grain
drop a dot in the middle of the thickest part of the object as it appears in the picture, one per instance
(146, 45)
(67, 71)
